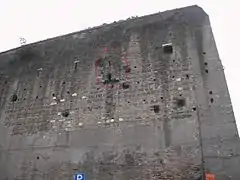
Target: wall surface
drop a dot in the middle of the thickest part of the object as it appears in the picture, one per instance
(116, 102)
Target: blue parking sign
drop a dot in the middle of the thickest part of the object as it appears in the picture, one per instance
(79, 176)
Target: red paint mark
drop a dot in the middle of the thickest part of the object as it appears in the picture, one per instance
(105, 49)
(210, 176)
(126, 63)
(97, 69)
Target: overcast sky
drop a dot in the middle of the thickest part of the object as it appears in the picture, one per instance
(41, 19)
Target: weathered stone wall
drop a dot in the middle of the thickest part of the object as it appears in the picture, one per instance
(114, 103)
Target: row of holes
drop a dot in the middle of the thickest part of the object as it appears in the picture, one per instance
(156, 108)
(210, 92)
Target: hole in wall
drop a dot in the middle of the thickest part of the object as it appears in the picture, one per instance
(24, 89)
(173, 77)
(37, 157)
(180, 102)
(40, 86)
(138, 82)
(76, 64)
(211, 100)
(173, 60)
(5, 82)
(194, 108)
(156, 108)
(210, 92)
(206, 70)
(53, 94)
(161, 97)
(167, 48)
(65, 114)
(135, 66)
(205, 63)
(109, 76)
(154, 79)
(125, 86)
(24, 98)
(144, 100)
(204, 52)
(68, 92)
(14, 98)
(36, 97)
(63, 82)
(187, 76)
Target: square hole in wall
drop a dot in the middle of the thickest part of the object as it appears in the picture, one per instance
(167, 48)
(180, 102)
(156, 108)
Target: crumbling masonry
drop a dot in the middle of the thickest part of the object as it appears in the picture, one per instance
(144, 98)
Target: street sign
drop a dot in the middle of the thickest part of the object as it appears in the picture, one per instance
(79, 176)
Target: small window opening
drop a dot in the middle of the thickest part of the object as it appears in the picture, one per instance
(211, 100)
(187, 76)
(37, 157)
(40, 86)
(173, 77)
(205, 63)
(76, 64)
(156, 108)
(68, 92)
(53, 94)
(173, 60)
(109, 76)
(63, 82)
(194, 108)
(167, 48)
(204, 52)
(135, 66)
(161, 97)
(125, 86)
(180, 103)
(210, 92)
(24, 89)
(14, 98)
(65, 114)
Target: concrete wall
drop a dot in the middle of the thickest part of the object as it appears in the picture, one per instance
(111, 103)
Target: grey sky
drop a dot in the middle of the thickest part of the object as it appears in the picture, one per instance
(38, 20)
